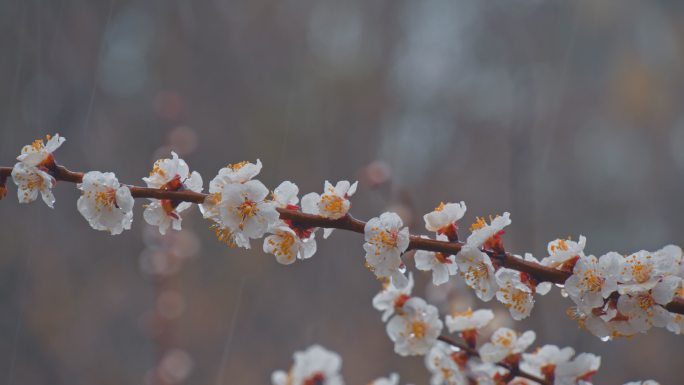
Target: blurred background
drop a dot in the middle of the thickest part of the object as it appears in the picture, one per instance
(565, 113)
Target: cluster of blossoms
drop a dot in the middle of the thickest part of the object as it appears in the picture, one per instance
(415, 329)
(614, 295)
(387, 240)
(645, 282)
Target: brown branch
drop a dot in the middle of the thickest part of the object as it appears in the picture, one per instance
(516, 372)
(537, 271)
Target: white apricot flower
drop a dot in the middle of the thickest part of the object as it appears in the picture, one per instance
(443, 218)
(106, 204)
(505, 342)
(170, 175)
(478, 271)
(40, 153)
(214, 207)
(469, 320)
(386, 240)
(31, 173)
(517, 296)
(577, 371)
(235, 173)
(243, 209)
(315, 365)
(480, 231)
(286, 245)
(445, 371)
(393, 379)
(594, 279)
(643, 270)
(333, 203)
(392, 298)
(544, 360)
(564, 250)
(415, 330)
(441, 265)
(643, 308)
(32, 180)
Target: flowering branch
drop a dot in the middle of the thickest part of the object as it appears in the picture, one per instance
(615, 295)
(514, 371)
(537, 271)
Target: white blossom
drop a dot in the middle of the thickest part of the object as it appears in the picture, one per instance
(386, 240)
(480, 231)
(594, 279)
(444, 370)
(286, 245)
(243, 209)
(416, 329)
(469, 320)
(577, 371)
(392, 298)
(333, 203)
(441, 265)
(315, 365)
(170, 175)
(642, 270)
(505, 342)
(643, 308)
(106, 204)
(564, 250)
(235, 173)
(544, 360)
(31, 181)
(444, 216)
(31, 173)
(39, 152)
(517, 296)
(477, 270)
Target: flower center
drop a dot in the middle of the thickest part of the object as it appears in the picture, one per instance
(440, 207)
(593, 282)
(248, 209)
(645, 301)
(418, 329)
(332, 204)
(386, 238)
(284, 245)
(641, 272)
(105, 199)
(560, 245)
